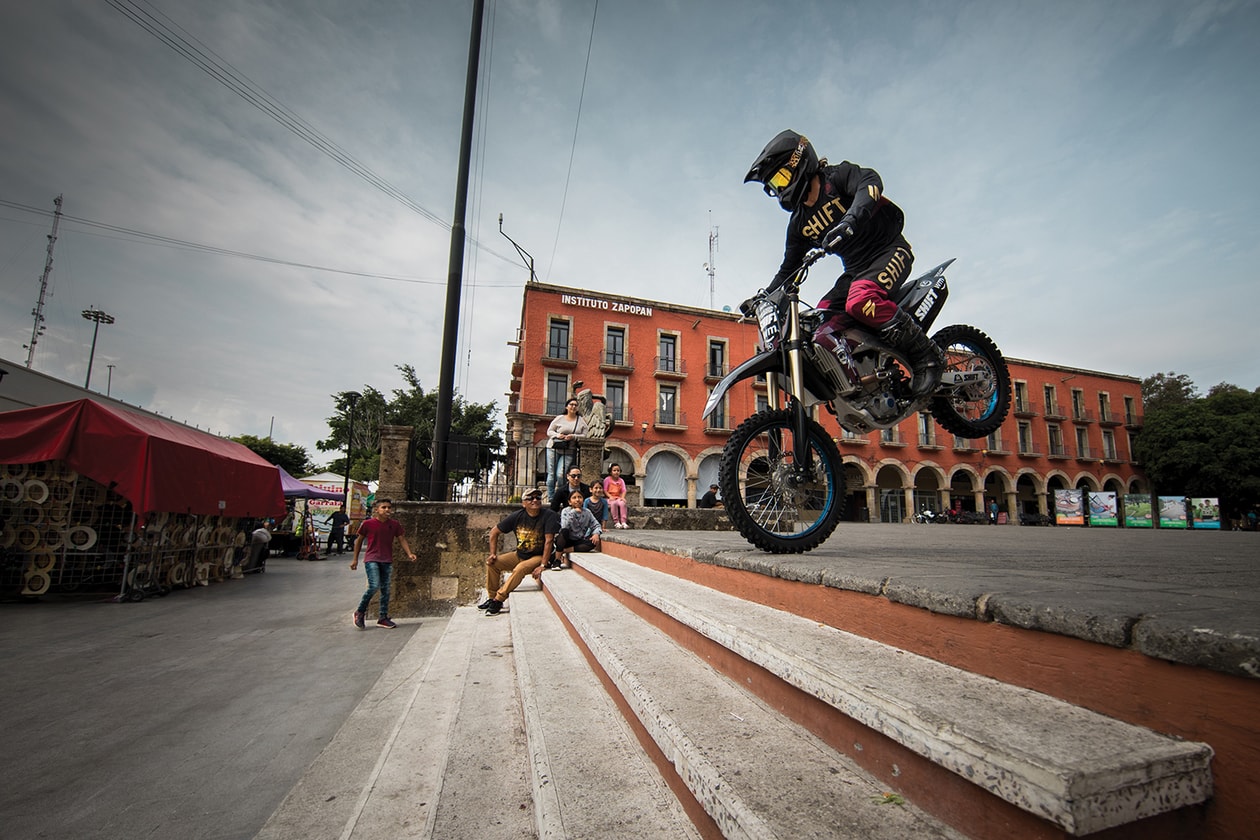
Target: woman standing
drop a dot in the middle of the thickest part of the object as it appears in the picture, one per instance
(615, 490)
(562, 443)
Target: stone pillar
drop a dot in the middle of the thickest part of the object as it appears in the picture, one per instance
(591, 459)
(395, 441)
(1012, 508)
(872, 503)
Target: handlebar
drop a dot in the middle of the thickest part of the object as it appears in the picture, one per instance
(796, 278)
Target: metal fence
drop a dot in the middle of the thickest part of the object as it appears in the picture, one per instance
(477, 473)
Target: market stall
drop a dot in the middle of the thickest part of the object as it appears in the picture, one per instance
(97, 494)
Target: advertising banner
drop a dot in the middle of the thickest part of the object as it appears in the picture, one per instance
(1102, 510)
(1205, 513)
(1137, 511)
(1069, 507)
(1172, 511)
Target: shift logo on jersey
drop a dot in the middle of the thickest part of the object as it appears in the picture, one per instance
(895, 269)
(823, 218)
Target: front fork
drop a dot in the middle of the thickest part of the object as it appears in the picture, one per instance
(794, 344)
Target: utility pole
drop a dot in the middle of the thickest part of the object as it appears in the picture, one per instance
(37, 329)
(455, 271)
(94, 314)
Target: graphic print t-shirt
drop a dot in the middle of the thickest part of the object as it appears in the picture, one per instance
(531, 531)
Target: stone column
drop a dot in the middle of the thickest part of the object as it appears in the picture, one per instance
(1012, 508)
(395, 441)
(872, 503)
(591, 458)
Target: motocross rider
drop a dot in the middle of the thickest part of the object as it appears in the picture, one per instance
(843, 210)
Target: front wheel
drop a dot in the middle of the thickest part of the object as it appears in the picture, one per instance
(778, 504)
(978, 409)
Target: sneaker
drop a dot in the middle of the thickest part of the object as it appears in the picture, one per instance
(358, 621)
(494, 607)
(386, 622)
(485, 605)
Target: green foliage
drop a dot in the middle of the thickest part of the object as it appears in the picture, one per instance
(408, 406)
(1203, 446)
(1164, 390)
(293, 458)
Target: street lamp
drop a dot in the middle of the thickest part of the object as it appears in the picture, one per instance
(352, 397)
(94, 314)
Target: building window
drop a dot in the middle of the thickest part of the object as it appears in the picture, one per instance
(1104, 407)
(763, 404)
(994, 443)
(717, 359)
(1021, 397)
(1052, 402)
(848, 434)
(927, 430)
(558, 339)
(667, 358)
(615, 394)
(889, 435)
(1025, 438)
(557, 392)
(717, 420)
(1079, 412)
(1082, 443)
(1109, 445)
(667, 405)
(1056, 439)
(615, 346)
(1130, 411)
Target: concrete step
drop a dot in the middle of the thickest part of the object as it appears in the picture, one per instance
(440, 728)
(591, 776)
(497, 729)
(1079, 771)
(755, 773)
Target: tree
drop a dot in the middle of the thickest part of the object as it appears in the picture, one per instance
(409, 406)
(293, 458)
(1164, 390)
(1203, 446)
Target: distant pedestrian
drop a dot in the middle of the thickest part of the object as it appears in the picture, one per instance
(535, 528)
(709, 499)
(378, 535)
(337, 533)
(993, 511)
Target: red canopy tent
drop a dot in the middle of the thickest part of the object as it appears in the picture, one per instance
(157, 465)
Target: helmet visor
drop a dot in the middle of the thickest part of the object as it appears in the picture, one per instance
(778, 182)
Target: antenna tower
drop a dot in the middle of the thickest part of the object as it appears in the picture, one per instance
(711, 265)
(37, 329)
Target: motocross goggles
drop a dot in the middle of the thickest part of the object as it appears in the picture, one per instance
(778, 182)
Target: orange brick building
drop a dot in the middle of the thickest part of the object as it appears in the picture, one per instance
(655, 363)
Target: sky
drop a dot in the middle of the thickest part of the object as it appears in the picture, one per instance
(1092, 166)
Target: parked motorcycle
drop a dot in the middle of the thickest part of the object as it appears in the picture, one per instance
(781, 475)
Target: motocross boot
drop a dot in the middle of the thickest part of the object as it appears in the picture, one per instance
(927, 360)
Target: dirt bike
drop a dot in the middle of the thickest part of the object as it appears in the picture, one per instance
(781, 474)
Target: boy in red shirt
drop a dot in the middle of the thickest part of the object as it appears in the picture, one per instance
(379, 533)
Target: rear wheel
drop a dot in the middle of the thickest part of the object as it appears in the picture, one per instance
(778, 504)
(972, 410)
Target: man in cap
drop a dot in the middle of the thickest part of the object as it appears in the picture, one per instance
(535, 528)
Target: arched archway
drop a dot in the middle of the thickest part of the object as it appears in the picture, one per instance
(962, 489)
(665, 480)
(928, 483)
(891, 482)
(855, 484)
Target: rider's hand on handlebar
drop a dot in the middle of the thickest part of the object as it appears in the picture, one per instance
(748, 308)
(835, 238)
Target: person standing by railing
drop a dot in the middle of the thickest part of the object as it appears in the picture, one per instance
(562, 443)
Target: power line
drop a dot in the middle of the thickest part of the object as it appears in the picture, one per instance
(172, 242)
(564, 199)
(213, 65)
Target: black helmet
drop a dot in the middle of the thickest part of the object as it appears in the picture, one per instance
(784, 168)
